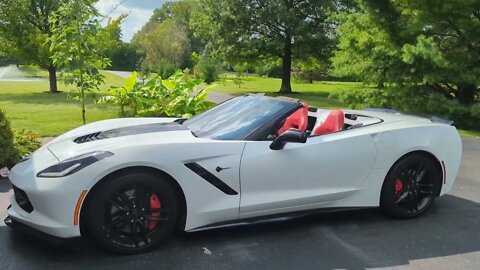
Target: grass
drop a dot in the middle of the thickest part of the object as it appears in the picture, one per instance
(28, 105)
(470, 133)
(315, 94)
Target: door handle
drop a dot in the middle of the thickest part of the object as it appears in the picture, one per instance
(219, 169)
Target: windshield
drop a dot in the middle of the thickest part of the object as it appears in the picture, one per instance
(237, 118)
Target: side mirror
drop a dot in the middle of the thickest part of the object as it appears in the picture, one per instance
(289, 136)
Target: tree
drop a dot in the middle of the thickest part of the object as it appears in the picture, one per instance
(5, 57)
(239, 74)
(124, 56)
(112, 36)
(173, 20)
(308, 68)
(182, 13)
(76, 46)
(26, 25)
(431, 44)
(168, 42)
(159, 16)
(365, 51)
(242, 30)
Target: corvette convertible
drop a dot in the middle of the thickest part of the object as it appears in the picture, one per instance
(127, 184)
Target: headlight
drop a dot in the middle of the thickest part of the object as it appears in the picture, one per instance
(25, 158)
(73, 165)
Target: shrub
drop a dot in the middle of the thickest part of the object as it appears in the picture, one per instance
(177, 96)
(414, 101)
(9, 154)
(26, 142)
(165, 69)
(269, 69)
(208, 70)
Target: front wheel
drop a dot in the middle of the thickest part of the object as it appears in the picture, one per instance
(132, 213)
(410, 187)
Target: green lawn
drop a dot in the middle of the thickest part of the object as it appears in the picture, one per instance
(470, 133)
(29, 106)
(315, 94)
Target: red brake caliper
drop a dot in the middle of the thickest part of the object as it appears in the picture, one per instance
(398, 185)
(154, 204)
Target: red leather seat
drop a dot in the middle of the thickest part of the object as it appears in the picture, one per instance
(297, 120)
(334, 122)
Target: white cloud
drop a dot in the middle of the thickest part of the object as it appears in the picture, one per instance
(139, 12)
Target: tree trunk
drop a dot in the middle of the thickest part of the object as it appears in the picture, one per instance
(52, 77)
(466, 94)
(84, 117)
(287, 66)
(82, 99)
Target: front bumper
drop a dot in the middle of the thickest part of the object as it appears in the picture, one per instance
(30, 231)
(52, 201)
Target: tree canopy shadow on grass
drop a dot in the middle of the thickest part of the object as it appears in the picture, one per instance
(41, 98)
(344, 240)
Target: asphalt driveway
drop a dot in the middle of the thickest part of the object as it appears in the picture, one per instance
(447, 237)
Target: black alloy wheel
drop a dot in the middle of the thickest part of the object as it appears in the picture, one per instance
(132, 213)
(411, 186)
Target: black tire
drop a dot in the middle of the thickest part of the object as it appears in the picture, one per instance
(121, 217)
(411, 186)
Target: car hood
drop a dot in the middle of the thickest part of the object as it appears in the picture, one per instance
(115, 133)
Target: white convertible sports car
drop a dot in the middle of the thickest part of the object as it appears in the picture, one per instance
(128, 183)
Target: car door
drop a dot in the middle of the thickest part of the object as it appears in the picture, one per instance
(303, 176)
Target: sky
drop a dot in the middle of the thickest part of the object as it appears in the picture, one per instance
(139, 12)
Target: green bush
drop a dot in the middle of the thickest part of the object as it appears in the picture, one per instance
(178, 96)
(26, 141)
(208, 70)
(9, 155)
(414, 101)
(165, 69)
(125, 57)
(269, 69)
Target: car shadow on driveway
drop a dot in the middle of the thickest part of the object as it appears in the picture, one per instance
(346, 240)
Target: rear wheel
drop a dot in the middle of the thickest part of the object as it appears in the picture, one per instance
(410, 187)
(132, 213)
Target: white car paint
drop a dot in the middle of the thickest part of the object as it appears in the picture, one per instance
(344, 169)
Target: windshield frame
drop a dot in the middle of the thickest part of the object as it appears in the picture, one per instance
(259, 132)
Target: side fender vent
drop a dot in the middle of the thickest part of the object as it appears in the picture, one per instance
(88, 138)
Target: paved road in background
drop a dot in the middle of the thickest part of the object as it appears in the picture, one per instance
(447, 237)
(213, 96)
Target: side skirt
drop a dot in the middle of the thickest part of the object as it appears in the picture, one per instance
(273, 218)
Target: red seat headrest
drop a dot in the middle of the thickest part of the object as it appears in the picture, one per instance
(334, 122)
(297, 120)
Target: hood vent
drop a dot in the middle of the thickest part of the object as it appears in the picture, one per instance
(88, 138)
(130, 130)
